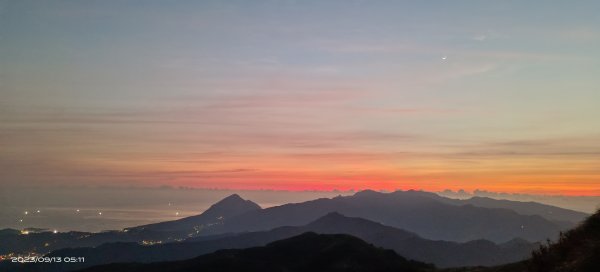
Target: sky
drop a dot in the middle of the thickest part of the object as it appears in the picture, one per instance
(301, 95)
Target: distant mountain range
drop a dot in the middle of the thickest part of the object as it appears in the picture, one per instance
(426, 214)
(526, 208)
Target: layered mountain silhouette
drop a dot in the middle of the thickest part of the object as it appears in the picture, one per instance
(577, 250)
(305, 252)
(406, 244)
(426, 214)
(217, 229)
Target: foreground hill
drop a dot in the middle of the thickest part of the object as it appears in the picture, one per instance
(418, 212)
(576, 250)
(306, 252)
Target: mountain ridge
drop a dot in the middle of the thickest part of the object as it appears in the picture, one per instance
(417, 212)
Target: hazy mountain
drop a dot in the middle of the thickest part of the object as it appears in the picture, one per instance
(549, 212)
(407, 244)
(228, 207)
(418, 212)
(526, 208)
(306, 252)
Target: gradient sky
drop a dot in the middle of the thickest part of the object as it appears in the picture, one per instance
(296, 95)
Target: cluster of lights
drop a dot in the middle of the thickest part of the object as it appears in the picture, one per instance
(150, 242)
(26, 231)
(27, 212)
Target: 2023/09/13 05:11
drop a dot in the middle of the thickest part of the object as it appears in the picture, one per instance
(42, 259)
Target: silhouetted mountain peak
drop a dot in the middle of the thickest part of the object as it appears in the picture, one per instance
(481, 198)
(228, 207)
(332, 216)
(399, 194)
(415, 193)
(231, 206)
(336, 218)
(367, 193)
(335, 222)
(233, 199)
